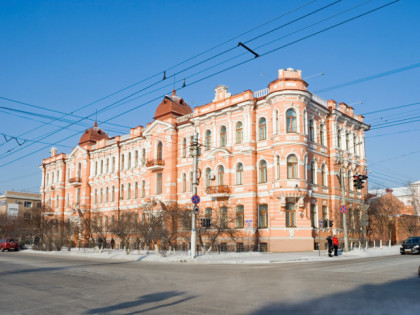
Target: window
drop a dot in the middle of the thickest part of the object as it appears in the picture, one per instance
(184, 147)
(263, 216)
(68, 200)
(28, 204)
(311, 130)
(291, 121)
(113, 164)
(113, 194)
(262, 129)
(239, 132)
(290, 212)
(223, 217)
(349, 180)
(276, 122)
(159, 183)
(122, 162)
(207, 140)
(321, 134)
(239, 174)
(347, 141)
(339, 138)
(313, 216)
(191, 181)
(159, 151)
(102, 167)
(208, 174)
(263, 171)
(128, 191)
(95, 196)
(143, 156)
(96, 168)
(122, 192)
(324, 175)
(56, 201)
(313, 173)
(354, 144)
(325, 215)
(292, 163)
(136, 190)
(220, 175)
(143, 189)
(101, 195)
(184, 182)
(136, 158)
(223, 136)
(106, 194)
(239, 247)
(107, 166)
(78, 195)
(239, 216)
(263, 247)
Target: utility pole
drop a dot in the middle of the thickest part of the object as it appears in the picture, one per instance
(194, 152)
(343, 203)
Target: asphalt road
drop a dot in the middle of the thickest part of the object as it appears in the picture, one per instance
(40, 284)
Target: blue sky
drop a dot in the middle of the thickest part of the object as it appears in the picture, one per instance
(64, 55)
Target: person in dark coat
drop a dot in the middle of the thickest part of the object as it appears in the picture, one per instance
(335, 244)
(330, 245)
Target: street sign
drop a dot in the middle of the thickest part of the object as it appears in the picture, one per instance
(195, 199)
(343, 209)
(321, 223)
(195, 209)
(248, 222)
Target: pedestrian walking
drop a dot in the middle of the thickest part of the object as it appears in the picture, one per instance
(335, 244)
(330, 245)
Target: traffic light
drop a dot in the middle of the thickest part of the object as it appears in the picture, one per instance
(331, 223)
(358, 181)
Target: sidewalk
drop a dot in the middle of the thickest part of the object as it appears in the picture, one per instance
(216, 258)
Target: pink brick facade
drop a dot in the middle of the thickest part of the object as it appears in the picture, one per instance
(269, 157)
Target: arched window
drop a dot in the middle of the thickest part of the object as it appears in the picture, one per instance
(136, 190)
(349, 180)
(208, 174)
(207, 140)
(321, 134)
(95, 196)
(313, 173)
(277, 167)
(143, 189)
(239, 216)
(184, 147)
(191, 181)
(79, 170)
(221, 175)
(122, 162)
(311, 130)
(223, 217)
(291, 121)
(239, 174)
(106, 194)
(100, 196)
(96, 168)
(113, 164)
(102, 166)
(239, 132)
(143, 156)
(263, 171)
(262, 129)
(113, 194)
(129, 191)
(354, 144)
(184, 182)
(122, 192)
(324, 175)
(159, 151)
(347, 142)
(339, 138)
(136, 158)
(292, 164)
(107, 166)
(223, 136)
(276, 121)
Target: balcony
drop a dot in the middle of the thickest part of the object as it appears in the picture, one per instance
(75, 181)
(219, 191)
(155, 165)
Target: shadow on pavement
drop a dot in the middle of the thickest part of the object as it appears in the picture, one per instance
(145, 299)
(396, 297)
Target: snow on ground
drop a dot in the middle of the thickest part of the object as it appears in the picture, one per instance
(222, 258)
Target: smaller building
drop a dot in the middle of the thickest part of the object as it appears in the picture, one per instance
(18, 204)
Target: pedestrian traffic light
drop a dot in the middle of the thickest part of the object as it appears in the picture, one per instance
(331, 223)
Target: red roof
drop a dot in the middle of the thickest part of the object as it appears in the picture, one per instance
(172, 105)
(90, 136)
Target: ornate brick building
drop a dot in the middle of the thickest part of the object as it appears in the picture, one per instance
(268, 158)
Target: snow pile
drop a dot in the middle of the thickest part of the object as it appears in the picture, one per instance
(219, 258)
